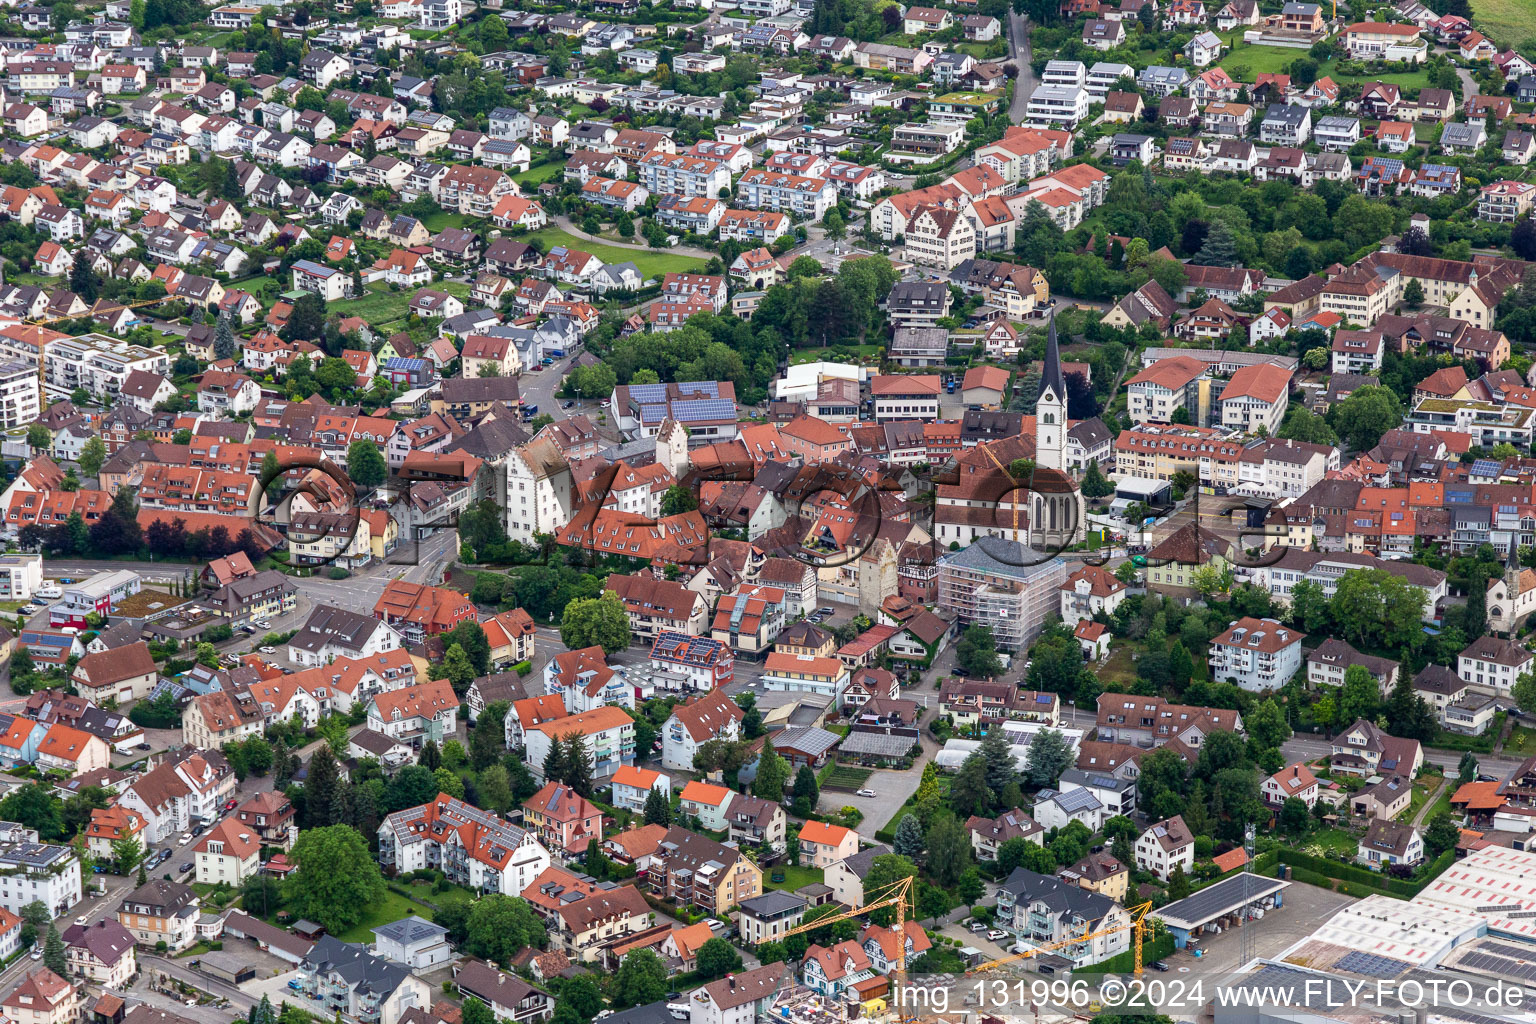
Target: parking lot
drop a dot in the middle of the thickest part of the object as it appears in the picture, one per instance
(1305, 907)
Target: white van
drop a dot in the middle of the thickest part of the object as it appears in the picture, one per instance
(680, 1011)
(50, 591)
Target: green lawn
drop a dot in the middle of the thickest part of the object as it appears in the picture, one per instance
(794, 877)
(392, 907)
(1521, 741)
(1506, 22)
(1415, 801)
(1262, 60)
(535, 176)
(1442, 801)
(813, 355)
(378, 304)
(651, 262)
(1331, 839)
(435, 222)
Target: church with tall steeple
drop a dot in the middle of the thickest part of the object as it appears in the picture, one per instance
(1058, 517)
(1051, 408)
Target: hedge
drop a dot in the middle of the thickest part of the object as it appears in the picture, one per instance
(1307, 868)
(1153, 949)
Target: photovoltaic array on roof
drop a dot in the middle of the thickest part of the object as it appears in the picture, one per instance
(1371, 965)
(706, 409)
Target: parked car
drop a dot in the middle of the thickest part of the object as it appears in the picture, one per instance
(231, 805)
(997, 934)
(978, 926)
(82, 920)
(1158, 965)
(866, 792)
(262, 624)
(184, 868)
(267, 650)
(185, 839)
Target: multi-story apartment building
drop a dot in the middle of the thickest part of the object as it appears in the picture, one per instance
(1042, 909)
(1001, 584)
(683, 174)
(807, 198)
(161, 911)
(1257, 654)
(1158, 391)
(1058, 106)
(607, 732)
(19, 400)
(906, 397)
(474, 848)
(693, 870)
(97, 363)
(1492, 665)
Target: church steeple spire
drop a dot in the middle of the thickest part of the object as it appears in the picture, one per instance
(1050, 377)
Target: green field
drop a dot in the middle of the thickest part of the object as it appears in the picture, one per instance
(435, 222)
(379, 305)
(813, 355)
(794, 877)
(392, 907)
(651, 262)
(535, 176)
(841, 777)
(1506, 22)
(1264, 60)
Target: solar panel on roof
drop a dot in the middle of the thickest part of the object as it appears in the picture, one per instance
(1371, 965)
(1485, 467)
(648, 392)
(705, 409)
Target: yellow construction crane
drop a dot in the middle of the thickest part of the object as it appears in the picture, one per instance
(125, 305)
(1137, 924)
(897, 894)
(1012, 494)
(42, 372)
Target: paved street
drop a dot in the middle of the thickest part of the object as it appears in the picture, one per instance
(1019, 50)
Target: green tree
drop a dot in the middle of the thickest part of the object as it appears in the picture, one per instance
(641, 980)
(224, 338)
(36, 807)
(885, 871)
(976, 653)
(998, 754)
(806, 791)
(1309, 606)
(596, 622)
(578, 764)
(772, 775)
(335, 878)
(1466, 770)
(126, 854)
(500, 926)
(494, 789)
(677, 500)
(969, 792)
(92, 454)
(1366, 414)
(53, 952)
(1267, 726)
(1441, 834)
(365, 464)
(1095, 484)
(1049, 756)
(1302, 424)
(1294, 817)
(949, 849)
(39, 438)
(473, 1011)
(658, 810)
(1413, 294)
(908, 841)
(717, 958)
(456, 668)
(1178, 883)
